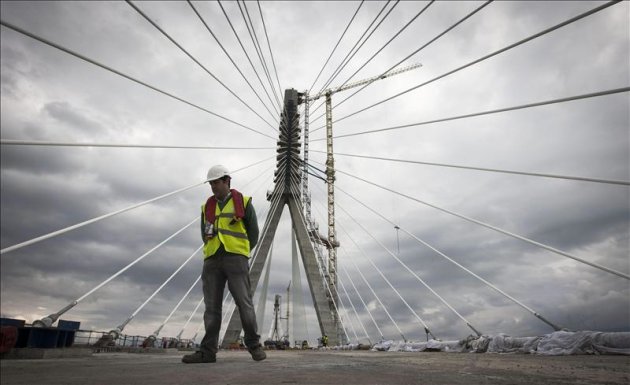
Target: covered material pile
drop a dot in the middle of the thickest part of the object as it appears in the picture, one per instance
(553, 344)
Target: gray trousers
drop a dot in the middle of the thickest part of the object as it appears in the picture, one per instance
(216, 271)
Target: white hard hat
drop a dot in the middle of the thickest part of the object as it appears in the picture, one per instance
(218, 171)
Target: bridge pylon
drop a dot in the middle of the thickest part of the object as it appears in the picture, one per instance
(287, 192)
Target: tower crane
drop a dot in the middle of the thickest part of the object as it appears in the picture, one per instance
(332, 242)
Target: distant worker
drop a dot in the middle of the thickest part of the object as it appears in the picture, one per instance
(229, 229)
(325, 340)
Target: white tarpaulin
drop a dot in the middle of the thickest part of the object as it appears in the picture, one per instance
(553, 344)
(502, 343)
(411, 346)
(585, 342)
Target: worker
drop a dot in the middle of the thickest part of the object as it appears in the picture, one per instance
(325, 340)
(229, 229)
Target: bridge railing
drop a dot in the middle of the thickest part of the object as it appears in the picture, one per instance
(89, 338)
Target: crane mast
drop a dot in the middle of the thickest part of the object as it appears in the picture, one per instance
(332, 243)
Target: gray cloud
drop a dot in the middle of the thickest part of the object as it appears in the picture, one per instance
(49, 95)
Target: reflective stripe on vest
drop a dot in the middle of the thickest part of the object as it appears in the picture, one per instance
(233, 236)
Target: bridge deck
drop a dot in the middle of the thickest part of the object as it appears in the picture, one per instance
(318, 367)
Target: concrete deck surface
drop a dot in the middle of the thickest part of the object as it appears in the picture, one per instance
(317, 367)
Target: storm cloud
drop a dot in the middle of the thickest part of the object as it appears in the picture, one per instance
(49, 95)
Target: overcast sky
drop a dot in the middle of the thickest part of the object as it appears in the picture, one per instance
(49, 95)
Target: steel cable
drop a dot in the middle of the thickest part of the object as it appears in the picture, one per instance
(192, 314)
(74, 227)
(511, 46)
(275, 106)
(469, 15)
(380, 50)
(370, 286)
(273, 62)
(336, 45)
(53, 317)
(156, 291)
(91, 61)
(544, 246)
(487, 283)
(583, 179)
(233, 62)
(354, 309)
(389, 41)
(354, 48)
(196, 61)
(13, 142)
(254, 38)
(356, 315)
(414, 274)
(353, 52)
(426, 327)
(489, 112)
(361, 297)
(157, 331)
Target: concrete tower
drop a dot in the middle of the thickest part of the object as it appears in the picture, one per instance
(287, 192)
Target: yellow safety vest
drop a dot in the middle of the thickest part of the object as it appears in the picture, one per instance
(233, 236)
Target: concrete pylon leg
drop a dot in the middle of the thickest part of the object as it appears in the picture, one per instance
(316, 284)
(260, 257)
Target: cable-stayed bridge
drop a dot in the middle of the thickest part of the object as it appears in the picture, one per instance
(484, 192)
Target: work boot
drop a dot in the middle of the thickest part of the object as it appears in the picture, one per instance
(257, 352)
(199, 357)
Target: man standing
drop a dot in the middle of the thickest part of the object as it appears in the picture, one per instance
(229, 229)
